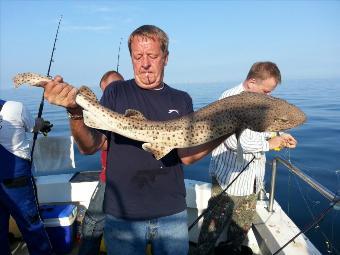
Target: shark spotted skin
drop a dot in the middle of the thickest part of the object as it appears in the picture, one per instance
(29, 78)
(221, 118)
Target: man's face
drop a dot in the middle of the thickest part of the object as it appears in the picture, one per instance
(148, 62)
(262, 86)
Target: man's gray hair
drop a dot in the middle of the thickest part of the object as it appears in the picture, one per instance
(151, 31)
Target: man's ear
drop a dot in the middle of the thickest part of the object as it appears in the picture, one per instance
(251, 84)
(166, 59)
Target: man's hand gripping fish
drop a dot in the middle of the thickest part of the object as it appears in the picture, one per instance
(224, 117)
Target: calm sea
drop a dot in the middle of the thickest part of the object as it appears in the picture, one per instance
(317, 154)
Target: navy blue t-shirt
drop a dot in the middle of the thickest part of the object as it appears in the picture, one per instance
(137, 185)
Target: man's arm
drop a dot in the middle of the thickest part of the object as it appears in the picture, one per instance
(282, 141)
(251, 142)
(59, 93)
(191, 155)
(88, 139)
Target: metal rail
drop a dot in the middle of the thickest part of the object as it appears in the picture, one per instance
(331, 196)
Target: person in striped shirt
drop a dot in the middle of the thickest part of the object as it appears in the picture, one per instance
(235, 208)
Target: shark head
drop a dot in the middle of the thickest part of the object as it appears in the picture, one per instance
(285, 117)
(267, 113)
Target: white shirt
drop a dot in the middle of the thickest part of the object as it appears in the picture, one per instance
(225, 167)
(15, 121)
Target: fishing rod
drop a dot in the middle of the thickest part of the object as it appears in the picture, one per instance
(119, 53)
(310, 225)
(41, 107)
(219, 196)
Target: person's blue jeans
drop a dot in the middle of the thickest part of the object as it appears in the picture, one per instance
(167, 235)
(93, 223)
(17, 198)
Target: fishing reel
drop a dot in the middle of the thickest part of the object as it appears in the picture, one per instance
(46, 127)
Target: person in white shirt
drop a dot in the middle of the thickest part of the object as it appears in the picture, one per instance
(17, 193)
(235, 208)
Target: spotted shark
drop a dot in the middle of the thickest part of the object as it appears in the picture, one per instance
(224, 117)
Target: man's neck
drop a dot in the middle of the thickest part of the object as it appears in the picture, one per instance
(160, 87)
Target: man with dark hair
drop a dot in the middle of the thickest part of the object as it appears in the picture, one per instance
(144, 197)
(235, 208)
(94, 219)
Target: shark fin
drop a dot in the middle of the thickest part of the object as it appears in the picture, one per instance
(87, 92)
(239, 155)
(157, 150)
(134, 114)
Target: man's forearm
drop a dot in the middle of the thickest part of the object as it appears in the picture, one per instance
(191, 155)
(251, 142)
(88, 140)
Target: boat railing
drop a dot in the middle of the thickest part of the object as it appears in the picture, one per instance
(331, 196)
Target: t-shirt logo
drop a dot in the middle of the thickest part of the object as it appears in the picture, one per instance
(173, 110)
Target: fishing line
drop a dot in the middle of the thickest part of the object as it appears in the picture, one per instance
(326, 239)
(333, 220)
(329, 244)
(119, 53)
(320, 217)
(39, 116)
(289, 189)
(218, 197)
(308, 168)
(41, 106)
(313, 175)
(306, 198)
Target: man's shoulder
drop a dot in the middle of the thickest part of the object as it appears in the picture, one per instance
(177, 92)
(179, 101)
(232, 91)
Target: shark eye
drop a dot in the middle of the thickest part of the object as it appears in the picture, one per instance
(284, 120)
(280, 120)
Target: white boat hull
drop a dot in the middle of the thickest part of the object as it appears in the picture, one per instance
(269, 232)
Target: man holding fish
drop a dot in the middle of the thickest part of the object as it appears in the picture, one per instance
(144, 198)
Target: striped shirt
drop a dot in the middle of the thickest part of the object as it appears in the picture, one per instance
(225, 167)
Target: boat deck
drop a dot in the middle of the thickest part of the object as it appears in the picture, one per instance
(270, 231)
(19, 248)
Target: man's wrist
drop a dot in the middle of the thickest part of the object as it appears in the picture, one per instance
(277, 133)
(75, 113)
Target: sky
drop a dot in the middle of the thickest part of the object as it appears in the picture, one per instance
(210, 41)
